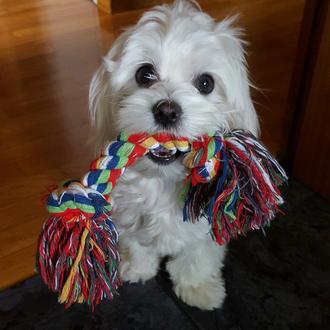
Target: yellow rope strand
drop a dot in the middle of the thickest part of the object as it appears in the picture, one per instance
(63, 297)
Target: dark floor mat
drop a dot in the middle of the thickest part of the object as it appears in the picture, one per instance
(31, 306)
(277, 281)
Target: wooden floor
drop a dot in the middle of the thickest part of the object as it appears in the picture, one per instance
(48, 52)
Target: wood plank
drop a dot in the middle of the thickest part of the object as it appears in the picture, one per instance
(17, 266)
(120, 6)
(43, 113)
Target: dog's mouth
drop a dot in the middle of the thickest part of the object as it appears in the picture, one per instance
(163, 156)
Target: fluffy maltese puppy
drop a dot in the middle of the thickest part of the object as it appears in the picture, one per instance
(178, 71)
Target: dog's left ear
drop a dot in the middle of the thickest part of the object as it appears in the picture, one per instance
(102, 95)
(235, 75)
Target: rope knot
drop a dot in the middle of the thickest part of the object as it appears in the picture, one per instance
(233, 182)
(204, 158)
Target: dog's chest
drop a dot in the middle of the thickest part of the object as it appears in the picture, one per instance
(150, 210)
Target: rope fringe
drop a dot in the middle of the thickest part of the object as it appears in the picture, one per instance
(233, 181)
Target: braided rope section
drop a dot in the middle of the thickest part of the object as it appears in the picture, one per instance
(241, 184)
(77, 249)
(233, 182)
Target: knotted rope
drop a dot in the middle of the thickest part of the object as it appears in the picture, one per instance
(245, 194)
(232, 181)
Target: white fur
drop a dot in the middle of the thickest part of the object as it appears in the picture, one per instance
(181, 42)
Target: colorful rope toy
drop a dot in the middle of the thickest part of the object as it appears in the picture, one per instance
(233, 182)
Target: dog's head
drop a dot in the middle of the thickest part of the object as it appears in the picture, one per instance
(176, 71)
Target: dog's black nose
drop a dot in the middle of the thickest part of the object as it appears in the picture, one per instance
(167, 112)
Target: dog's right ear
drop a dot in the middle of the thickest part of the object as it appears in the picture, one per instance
(235, 75)
(101, 95)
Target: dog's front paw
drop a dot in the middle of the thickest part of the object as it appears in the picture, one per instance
(133, 271)
(207, 295)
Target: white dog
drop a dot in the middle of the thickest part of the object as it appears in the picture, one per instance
(178, 71)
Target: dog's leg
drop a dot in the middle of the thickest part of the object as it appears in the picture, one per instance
(196, 274)
(138, 263)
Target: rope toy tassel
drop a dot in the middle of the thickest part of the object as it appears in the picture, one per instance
(78, 255)
(233, 183)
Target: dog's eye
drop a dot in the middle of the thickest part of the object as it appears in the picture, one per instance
(146, 75)
(204, 83)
